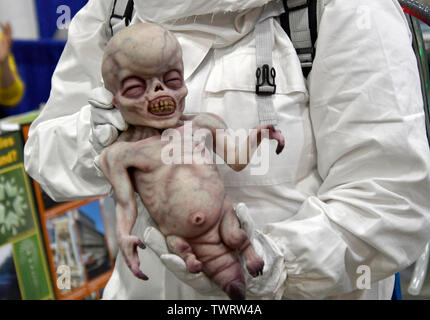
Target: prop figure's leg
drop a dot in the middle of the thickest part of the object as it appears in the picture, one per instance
(236, 238)
(183, 249)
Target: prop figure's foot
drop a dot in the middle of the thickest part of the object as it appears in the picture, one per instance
(183, 249)
(236, 238)
(235, 290)
(128, 246)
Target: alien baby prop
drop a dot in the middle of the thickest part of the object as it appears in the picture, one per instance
(143, 68)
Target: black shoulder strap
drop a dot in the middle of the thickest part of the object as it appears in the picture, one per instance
(420, 52)
(121, 10)
(128, 13)
(305, 47)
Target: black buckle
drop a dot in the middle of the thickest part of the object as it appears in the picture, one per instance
(302, 6)
(265, 84)
(310, 51)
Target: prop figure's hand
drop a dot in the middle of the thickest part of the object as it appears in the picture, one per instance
(128, 246)
(106, 121)
(274, 134)
(156, 241)
(269, 284)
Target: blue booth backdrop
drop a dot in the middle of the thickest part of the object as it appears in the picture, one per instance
(36, 59)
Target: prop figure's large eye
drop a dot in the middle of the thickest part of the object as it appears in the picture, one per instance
(133, 88)
(173, 79)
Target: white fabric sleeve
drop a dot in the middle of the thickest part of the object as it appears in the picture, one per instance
(58, 153)
(367, 114)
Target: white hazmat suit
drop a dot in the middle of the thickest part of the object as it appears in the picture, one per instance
(351, 188)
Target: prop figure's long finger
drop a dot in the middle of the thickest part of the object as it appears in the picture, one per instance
(135, 262)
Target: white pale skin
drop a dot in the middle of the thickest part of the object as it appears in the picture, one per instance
(143, 68)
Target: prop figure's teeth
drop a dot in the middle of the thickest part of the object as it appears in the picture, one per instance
(162, 107)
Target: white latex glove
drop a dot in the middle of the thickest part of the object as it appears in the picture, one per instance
(155, 240)
(269, 285)
(106, 121)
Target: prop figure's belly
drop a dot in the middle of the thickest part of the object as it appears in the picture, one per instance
(184, 200)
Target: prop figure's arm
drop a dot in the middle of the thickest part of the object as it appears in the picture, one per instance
(225, 144)
(115, 162)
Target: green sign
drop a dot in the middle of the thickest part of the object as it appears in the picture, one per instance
(30, 269)
(24, 265)
(15, 210)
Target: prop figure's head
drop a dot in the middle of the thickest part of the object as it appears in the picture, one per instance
(143, 68)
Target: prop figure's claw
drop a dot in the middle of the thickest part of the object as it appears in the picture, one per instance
(139, 274)
(279, 148)
(134, 267)
(140, 244)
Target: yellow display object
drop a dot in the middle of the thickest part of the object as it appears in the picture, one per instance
(12, 95)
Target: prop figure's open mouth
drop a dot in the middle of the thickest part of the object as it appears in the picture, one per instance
(163, 106)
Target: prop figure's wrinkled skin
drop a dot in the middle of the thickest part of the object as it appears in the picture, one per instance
(143, 68)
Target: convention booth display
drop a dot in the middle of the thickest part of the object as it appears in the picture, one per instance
(23, 261)
(48, 250)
